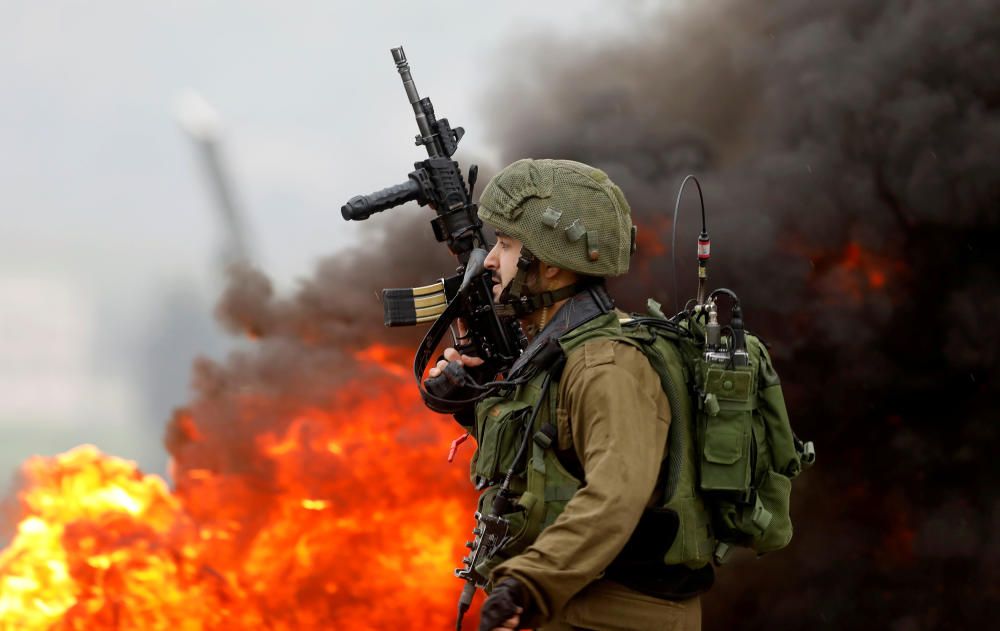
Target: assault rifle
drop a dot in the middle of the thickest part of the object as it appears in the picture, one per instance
(437, 182)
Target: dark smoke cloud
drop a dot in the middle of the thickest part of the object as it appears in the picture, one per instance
(335, 307)
(302, 346)
(850, 153)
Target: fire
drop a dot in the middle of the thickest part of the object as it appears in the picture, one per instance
(391, 360)
(101, 546)
(867, 264)
(357, 525)
(851, 271)
(652, 237)
(856, 272)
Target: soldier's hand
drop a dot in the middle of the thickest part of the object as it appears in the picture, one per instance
(510, 623)
(451, 355)
(503, 609)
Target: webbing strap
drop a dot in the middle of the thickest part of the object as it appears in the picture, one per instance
(642, 339)
(422, 357)
(561, 493)
(537, 471)
(538, 458)
(525, 305)
(760, 517)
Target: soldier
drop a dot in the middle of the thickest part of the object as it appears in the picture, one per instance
(577, 560)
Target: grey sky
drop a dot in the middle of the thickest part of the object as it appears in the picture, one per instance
(105, 217)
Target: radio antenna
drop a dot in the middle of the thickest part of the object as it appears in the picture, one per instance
(704, 245)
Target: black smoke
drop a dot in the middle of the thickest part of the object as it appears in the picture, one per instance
(850, 156)
(302, 346)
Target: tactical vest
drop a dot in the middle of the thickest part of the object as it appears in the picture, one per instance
(729, 458)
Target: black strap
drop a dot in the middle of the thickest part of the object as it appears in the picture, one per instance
(437, 331)
(423, 356)
(525, 305)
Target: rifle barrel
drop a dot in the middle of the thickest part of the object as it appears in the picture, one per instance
(413, 96)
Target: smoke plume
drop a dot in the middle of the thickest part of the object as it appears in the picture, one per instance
(850, 156)
(849, 153)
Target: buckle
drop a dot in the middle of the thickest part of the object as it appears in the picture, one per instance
(722, 552)
(542, 439)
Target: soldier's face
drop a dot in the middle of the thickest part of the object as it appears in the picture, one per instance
(502, 261)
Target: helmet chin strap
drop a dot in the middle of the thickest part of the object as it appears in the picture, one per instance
(515, 290)
(514, 299)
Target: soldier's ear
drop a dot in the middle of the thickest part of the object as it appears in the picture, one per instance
(550, 271)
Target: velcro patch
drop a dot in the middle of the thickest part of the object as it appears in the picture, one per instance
(575, 231)
(551, 217)
(602, 352)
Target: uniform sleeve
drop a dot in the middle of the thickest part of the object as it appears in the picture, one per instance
(618, 418)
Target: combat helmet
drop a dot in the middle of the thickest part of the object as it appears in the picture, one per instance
(566, 213)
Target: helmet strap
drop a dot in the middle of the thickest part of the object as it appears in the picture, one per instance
(518, 284)
(515, 302)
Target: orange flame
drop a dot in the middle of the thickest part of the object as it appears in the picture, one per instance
(856, 272)
(651, 237)
(359, 526)
(851, 271)
(868, 264)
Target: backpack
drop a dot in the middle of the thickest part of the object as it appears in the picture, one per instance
(730, 456)
(731, 451)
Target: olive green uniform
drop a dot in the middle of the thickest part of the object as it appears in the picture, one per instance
(614, 417)
(598, 540)
(611, 412)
